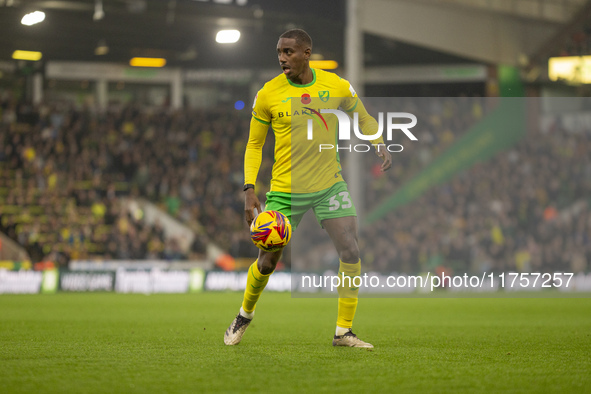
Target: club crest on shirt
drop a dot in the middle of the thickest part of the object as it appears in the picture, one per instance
(324, 95)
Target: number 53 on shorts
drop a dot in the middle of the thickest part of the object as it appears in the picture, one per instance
(341, 200)
(334, 202)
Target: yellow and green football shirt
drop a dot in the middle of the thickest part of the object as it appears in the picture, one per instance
(299, 166)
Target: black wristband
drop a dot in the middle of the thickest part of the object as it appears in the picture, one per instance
(248, 186)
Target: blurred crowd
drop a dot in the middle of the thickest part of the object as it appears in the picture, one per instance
(578, 43)
(527, 210)
(442, 121)
(65, 173)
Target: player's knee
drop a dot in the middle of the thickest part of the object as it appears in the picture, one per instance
(350, 253)
(268, 261)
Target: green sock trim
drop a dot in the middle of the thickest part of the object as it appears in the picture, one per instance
(255, 278)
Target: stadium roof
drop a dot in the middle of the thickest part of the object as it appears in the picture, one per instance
(183, 31)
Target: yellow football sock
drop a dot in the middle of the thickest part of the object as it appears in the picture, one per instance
(255, 284)
(348, 294)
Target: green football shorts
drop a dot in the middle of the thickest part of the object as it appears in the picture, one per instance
(334, 202)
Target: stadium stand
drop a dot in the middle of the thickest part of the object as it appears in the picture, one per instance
(527, 210)
(63, 172)
(65, 169)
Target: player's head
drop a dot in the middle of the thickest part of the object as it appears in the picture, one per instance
(302, 38)
(294, 49)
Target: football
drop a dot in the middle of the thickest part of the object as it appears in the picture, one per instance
(270, 231)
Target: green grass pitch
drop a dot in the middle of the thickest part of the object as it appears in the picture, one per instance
(91, 343)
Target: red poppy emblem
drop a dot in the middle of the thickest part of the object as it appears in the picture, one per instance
(306, 98)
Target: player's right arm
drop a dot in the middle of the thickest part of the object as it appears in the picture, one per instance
(259, 125)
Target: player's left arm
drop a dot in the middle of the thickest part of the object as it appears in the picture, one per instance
(368, 125)
(385, 155)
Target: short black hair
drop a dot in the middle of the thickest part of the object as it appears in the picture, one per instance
(302, 38)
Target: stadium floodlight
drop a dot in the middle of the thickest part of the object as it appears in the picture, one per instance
(147, 62)
(227, 36)
(99, 13)
(33, 18)
(101, 48)
(324, 64)
(27, 55)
